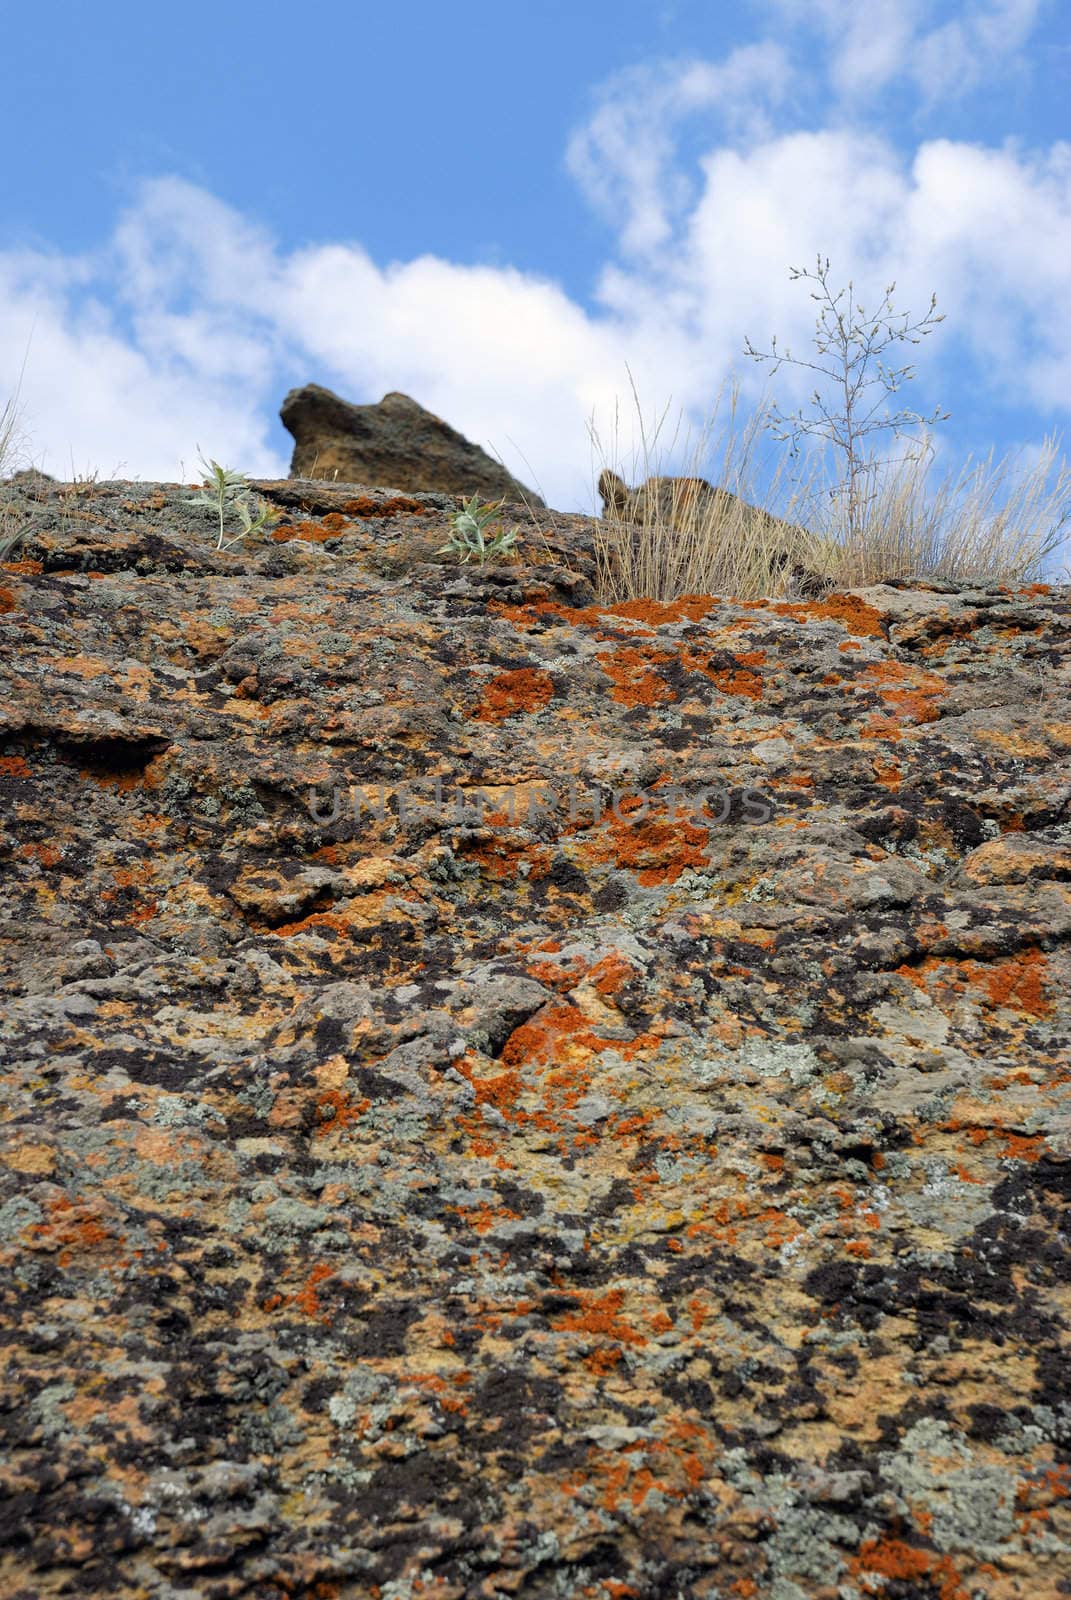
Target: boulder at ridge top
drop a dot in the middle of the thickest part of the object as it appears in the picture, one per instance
(395, 442)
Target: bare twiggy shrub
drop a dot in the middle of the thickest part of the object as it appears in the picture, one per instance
(709, 531)
(851, 344)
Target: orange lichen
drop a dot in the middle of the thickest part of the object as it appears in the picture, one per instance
(145, 913)
(599, 1314)
(915, 697)
(881, 727)
(543, 1036)
(1018, 1147)
(853, 614)
(658, 851)
(82, 666)
(307, 1298)
(524, 690)
(893, 1559)
(737, 681)
(630, 669)
(122, 782)
(317, 919)
(74, 1225)
(524, 616)
(336, 1109)
(1016, 983)
(48, 855)
(687, 608)
(483, 1218)
(500, 1090)
(610, 974)
(7, 601)
(364, 506)
(563, 979)
(780, 1227)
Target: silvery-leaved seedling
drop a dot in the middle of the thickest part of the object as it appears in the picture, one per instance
(469, 538)
(228, 491)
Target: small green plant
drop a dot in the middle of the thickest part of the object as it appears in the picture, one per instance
(853, 342)
(227, 491)
(468, 537)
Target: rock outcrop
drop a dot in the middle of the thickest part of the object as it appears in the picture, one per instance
(508, 1095)
(395, 442)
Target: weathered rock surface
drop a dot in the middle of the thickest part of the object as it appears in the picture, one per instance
(539, 1196)
(395, 442)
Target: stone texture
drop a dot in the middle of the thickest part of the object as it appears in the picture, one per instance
(539, 1196)
(395, 442)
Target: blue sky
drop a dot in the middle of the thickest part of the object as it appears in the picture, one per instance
(497, 208)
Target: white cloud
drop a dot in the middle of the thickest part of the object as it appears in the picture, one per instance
(625, 156)
(870, 46)
(93, 396)
(953, 59)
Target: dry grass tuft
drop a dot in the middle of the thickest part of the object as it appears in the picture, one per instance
(992, 521)
(10, 437)
(679, 538)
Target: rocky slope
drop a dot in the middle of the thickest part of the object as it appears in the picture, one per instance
(562, 1191)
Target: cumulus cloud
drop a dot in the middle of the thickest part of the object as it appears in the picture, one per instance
(185, 327)
(953, 59)
(870, 47)
(625, 155)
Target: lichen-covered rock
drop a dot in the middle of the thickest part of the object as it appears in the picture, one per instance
(395, 442)
(506, 1095)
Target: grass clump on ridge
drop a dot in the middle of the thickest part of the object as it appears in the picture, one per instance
(8, 425)
(856, 515)
(677, 537)
(990, 521)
